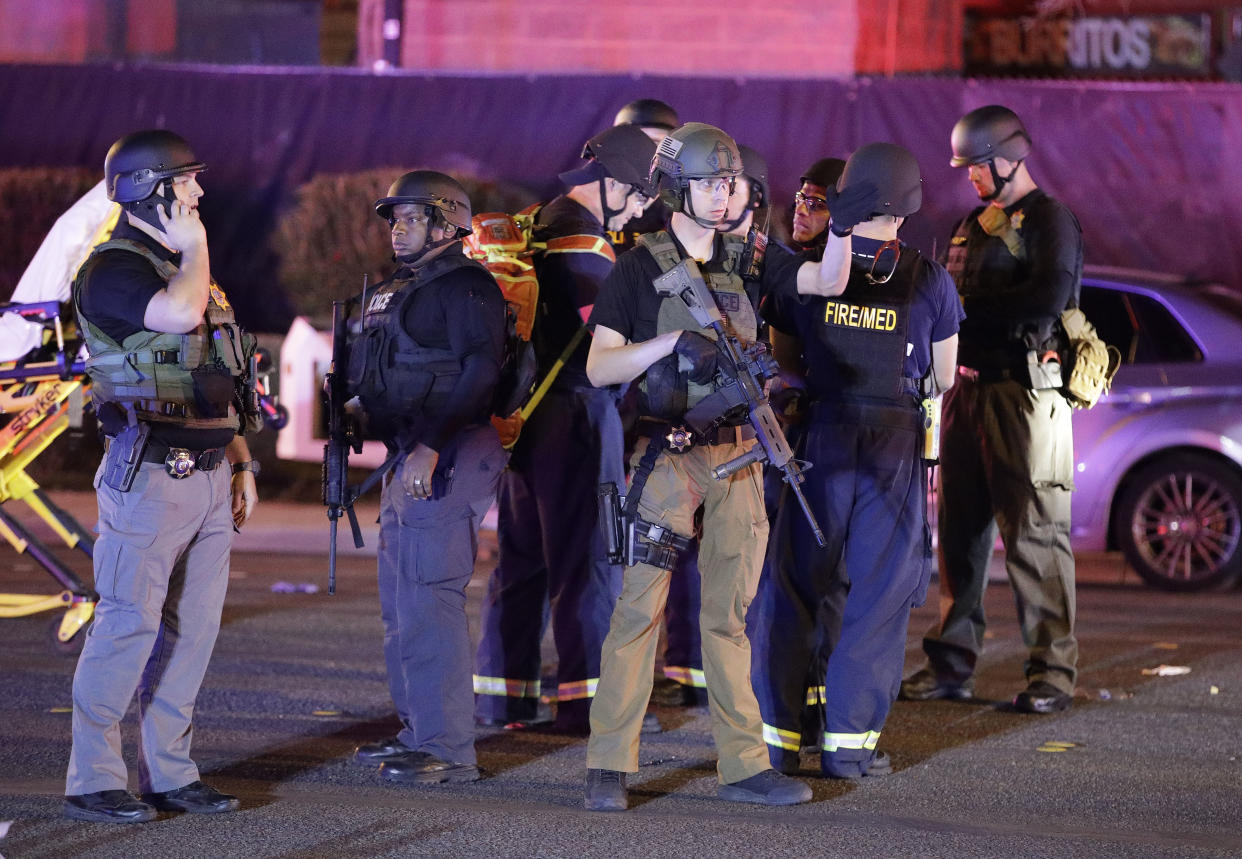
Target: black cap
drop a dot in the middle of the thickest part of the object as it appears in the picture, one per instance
(648, 113)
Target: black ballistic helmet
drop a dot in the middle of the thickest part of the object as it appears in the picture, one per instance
(893, 170)
(696, 150)
(988, 132)
(138, 162)
(436, 191)
(755, 169)
(648, 113)
(825, 172)
(623, 152)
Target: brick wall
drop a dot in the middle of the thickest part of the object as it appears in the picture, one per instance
(744, 38)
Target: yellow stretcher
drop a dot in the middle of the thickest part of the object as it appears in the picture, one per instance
(41, 399)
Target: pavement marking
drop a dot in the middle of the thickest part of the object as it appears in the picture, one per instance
(1056, 746)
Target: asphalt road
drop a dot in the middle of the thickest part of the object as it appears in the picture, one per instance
(1142, 765)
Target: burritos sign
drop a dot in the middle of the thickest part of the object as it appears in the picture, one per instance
(1142, 46)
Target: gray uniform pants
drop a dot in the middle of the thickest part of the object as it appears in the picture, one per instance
(161, 569)
(426, 557)
(1007, 463)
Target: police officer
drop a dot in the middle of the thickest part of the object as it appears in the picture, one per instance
(639, 334)
(684, 684)
(656, 119)
(810, 212)
(1007, 455)
(424, 369)
(870, 355)
(169, 372)
(551, 555)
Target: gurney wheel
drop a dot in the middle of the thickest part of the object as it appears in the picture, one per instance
(73, 646)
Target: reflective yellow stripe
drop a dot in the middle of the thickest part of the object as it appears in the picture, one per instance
(688, 676)
(866, 740)
(508, 688)
(788, 740)
(578, 690)
(816, 695)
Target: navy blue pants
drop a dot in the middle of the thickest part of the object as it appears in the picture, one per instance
(426, 557)
(851, 600)
(552, 562)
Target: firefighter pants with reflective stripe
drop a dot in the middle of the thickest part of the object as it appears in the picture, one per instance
(850, 600)
(426, 557)
(552, 561)
(730, 556)
(1007, 458)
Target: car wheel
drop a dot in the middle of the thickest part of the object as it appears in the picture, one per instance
(1179, 522)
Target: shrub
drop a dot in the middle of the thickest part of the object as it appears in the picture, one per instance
(31, 199)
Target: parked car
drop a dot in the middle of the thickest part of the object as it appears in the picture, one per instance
(1159, 458)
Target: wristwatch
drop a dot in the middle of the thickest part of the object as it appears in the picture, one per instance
(251, 465)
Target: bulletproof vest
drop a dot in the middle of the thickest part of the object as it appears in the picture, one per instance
(665, 389)
(191, 380)
(861, 339)
(980, 263)
(400, 382)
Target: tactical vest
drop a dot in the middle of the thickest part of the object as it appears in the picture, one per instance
(193, 380)
(665, 389)
(862, 335)
(398, 381)
(980, 263)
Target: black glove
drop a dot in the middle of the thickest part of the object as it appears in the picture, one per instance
(849, 208)
(701, 353)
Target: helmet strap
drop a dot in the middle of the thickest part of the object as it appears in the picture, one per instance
(687, 208)
(998, 181)
(609, 213)
(145, 209)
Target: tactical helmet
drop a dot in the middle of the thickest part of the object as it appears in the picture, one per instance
(755, 169)
(623, 152)
(825, 172)
(138, 162)
(434, 190)
(648, 113)
(696, 150)
(893, 170)
(988, 132)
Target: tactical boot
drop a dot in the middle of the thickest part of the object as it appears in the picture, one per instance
(606, 791)
(1042, 697)
(926, 685)
(766, 788)
(377, 753)
(425, 768)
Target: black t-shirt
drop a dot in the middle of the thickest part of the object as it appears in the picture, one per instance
(462, 311)
(568, 284)
(629, 304)
(114, 298)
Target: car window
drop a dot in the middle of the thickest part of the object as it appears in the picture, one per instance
(1141, 328)
(1161, 338)
(1107, 310)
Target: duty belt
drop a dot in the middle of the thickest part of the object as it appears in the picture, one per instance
(681, 438)
(182, 462)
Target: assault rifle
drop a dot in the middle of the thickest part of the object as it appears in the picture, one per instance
(744, 368)
(344, 435)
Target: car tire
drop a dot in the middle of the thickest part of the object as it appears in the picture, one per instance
(1179, 522)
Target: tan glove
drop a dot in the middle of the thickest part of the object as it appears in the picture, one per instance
(996, 223)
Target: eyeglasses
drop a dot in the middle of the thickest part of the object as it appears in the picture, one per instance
(634, 192)
(716, 184)
(812, 204)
